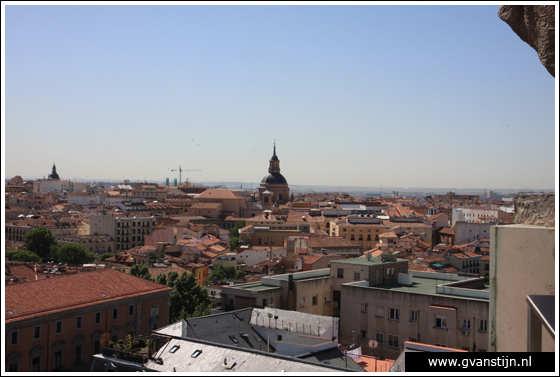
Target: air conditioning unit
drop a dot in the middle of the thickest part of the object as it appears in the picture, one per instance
(465, 332)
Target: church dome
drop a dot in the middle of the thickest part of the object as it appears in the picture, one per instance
(274, 179)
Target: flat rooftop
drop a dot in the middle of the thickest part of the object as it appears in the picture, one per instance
(365, 261)
(420, 285)
(257, 286)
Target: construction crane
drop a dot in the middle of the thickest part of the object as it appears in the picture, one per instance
(182, 170)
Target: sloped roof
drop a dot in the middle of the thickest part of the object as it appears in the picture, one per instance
(218, 194)
(28, 300)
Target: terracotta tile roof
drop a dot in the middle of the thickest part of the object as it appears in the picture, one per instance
(418, 267)
(142, 250)
(22, 272)
(448, 269)
(388, 235)
(485, 258)
(29, 300)
(425, 244)
(218, 194)
(165, 270)
(374, 252)
(449, 231)
(209, 254)
(206, 206)
(435, 217)
(434, 259)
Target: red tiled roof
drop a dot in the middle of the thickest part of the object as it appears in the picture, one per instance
(450, 231)
(28, 300)
(206, 205)
(218, 194)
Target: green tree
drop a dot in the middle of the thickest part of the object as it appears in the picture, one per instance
(234, 232)
(22, 256)
(187, 299)
(171, 278)
(219, 272)
(75, 254)
(161, 278)
(239, 275)
(152, 257)
(141, 271)
(104, 256)
(233, 243)
(39, 240)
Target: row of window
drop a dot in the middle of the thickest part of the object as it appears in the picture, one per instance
(58, 326)
(440, 322)
(134, 224)
(127, 232)
(78, 349)
(126, 239)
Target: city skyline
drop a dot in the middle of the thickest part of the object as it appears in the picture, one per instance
(362, 95)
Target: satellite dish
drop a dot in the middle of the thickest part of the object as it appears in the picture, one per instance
(269, 315)
(373, 343)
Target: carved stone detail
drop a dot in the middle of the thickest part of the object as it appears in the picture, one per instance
(534, 209)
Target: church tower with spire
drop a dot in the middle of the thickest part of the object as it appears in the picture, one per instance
(274, 182)
(54, 174)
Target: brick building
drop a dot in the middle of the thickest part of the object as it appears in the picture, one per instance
(56, 324)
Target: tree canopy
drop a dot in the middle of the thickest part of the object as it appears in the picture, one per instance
(72, 253)
(141, 271)
(22, 256)
(219, 272)
(104, 256)
(234, 232)
(39, 241)
(187, 299)
(233, 243)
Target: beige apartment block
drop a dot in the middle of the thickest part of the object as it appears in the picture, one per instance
(306, 292)
(444, 310)
(366, 231)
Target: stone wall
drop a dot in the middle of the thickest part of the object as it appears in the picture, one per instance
(534, 24)
(535, 209)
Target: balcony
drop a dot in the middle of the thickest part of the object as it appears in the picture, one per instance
(540, 313)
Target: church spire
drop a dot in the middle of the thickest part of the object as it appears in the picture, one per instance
(54, 174)
(274, 166)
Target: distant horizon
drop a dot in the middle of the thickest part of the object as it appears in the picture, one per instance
(246, 186)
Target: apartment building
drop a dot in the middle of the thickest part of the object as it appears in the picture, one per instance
(444, 310)
(59, 227)
(366, 229)
(306, 292)
(56, 324)
(128, 231)
(269, 234)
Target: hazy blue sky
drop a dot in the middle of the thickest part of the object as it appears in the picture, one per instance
(367, 95)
